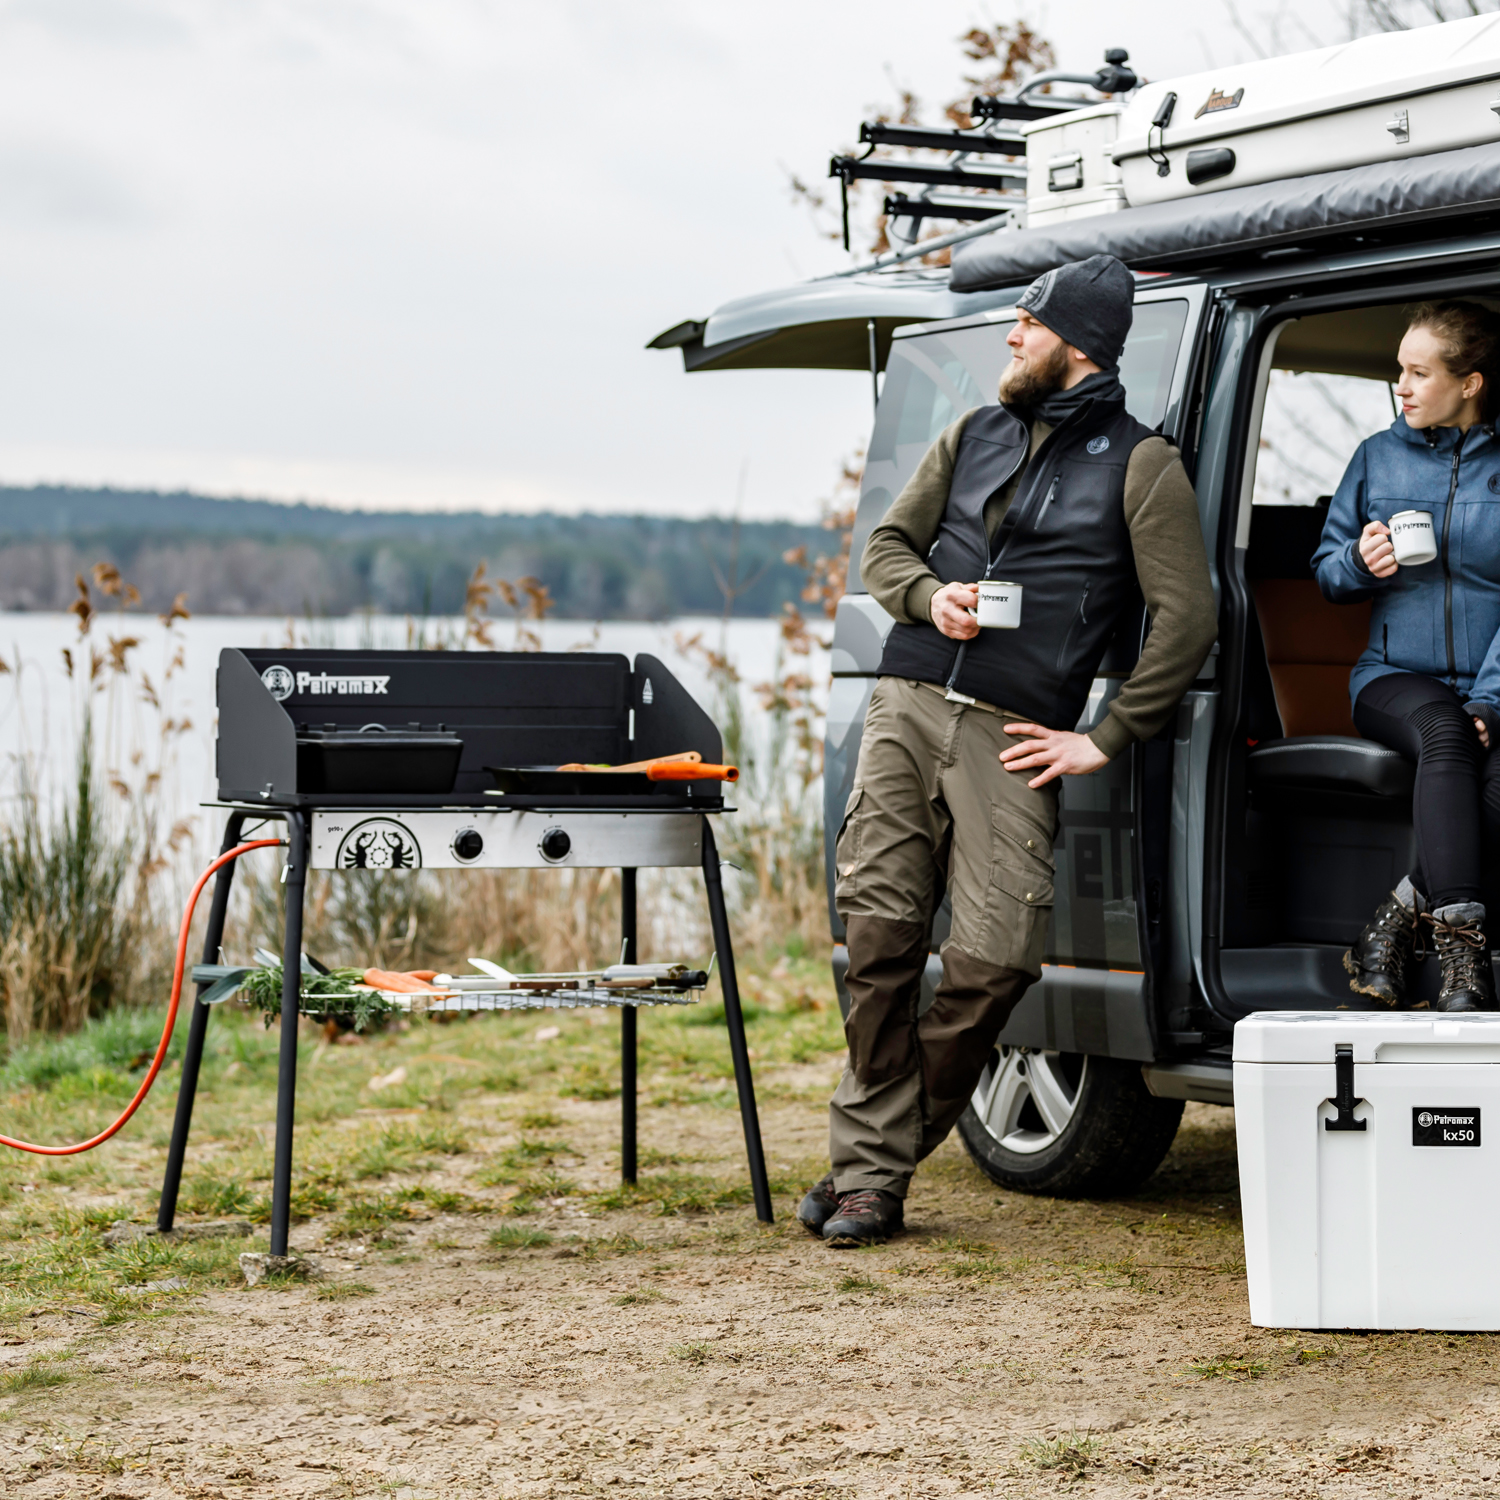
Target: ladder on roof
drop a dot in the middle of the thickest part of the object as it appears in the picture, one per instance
(994, 187)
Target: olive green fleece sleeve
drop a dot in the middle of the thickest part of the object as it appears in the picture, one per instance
(893, 565)
(1172, 566)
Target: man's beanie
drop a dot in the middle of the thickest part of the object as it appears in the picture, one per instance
(1088, 304)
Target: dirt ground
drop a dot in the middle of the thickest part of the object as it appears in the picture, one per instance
(1005, 1346)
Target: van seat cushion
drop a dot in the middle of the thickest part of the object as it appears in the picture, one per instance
(1310, 647)
(1332, 762)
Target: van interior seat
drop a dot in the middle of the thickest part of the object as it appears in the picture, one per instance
(1310, 648)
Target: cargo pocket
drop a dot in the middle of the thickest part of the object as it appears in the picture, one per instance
(846, 851)
(1019, 900)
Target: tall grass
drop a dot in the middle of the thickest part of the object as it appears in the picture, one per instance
(72, 920)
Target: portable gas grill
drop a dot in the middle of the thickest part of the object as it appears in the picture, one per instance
(405, 760)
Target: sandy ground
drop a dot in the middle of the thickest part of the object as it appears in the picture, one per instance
(1006, 1345)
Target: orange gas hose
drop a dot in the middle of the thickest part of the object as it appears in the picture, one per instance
(166, 1033)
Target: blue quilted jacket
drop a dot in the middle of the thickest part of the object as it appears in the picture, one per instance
(1442, 618)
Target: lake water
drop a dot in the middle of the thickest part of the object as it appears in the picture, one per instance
(42, 706)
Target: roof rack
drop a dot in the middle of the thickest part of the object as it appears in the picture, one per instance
(1002, 184)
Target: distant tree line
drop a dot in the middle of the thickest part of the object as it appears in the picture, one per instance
(258, 557)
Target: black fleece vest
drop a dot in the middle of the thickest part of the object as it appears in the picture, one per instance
(1064, 540)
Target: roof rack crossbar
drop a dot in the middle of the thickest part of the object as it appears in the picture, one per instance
(854, 168)
(927, 137)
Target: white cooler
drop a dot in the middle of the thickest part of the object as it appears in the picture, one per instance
(1370, 1193)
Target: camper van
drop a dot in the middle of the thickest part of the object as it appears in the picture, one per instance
(1278, 217)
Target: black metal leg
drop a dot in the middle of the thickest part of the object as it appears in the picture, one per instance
(291, 995)
(734, 1019)
(192, 1057)
(628, 1015)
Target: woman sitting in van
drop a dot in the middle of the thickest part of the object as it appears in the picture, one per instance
(1428, 683)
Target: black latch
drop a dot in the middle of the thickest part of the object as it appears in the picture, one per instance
(1343, 1090)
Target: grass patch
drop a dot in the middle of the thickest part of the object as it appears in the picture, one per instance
(1072, 1455)
(342, 1291)
(518, 1237)
(691, 1354)
(852, 1283)
(540, 1119)
(35, 1377)
(1227, 1368)
(635, 1298)
(675, 1193)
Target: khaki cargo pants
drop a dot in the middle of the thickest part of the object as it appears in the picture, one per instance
(931, 806)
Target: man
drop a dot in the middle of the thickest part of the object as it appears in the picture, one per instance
(1060, 490)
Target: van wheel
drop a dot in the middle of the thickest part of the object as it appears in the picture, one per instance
(1067, 1125)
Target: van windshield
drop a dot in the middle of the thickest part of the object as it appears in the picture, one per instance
(933, 378)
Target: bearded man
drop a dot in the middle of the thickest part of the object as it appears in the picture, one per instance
(1057, 489)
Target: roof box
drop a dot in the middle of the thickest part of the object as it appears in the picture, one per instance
(1381, 98)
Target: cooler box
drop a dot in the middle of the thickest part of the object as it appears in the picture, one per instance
(1370, 1191)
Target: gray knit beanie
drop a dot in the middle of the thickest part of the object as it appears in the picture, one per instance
(1088, 304)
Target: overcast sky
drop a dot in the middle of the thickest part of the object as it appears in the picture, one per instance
(408, 252)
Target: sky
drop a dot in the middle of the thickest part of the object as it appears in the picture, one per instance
(407, 253)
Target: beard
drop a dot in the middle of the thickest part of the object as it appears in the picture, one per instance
(1025, 382)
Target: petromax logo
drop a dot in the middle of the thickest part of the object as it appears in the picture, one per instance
(281, 683)
(1450, 1127)
(1098, 445)
(379, 844)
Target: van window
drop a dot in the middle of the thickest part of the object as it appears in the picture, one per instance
(933, 378)
(1313, 423)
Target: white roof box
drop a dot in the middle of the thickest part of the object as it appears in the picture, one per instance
(1382, 98)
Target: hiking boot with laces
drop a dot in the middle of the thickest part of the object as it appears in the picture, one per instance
(1464, 952)
(1378, 964)
(867, 1216)
(819, 1205)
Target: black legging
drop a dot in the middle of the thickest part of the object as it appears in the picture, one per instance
(1456, 808)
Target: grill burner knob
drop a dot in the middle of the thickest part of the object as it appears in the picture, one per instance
(468, 844)
(555, 844)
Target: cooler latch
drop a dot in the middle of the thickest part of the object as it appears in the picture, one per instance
(1343, 1090)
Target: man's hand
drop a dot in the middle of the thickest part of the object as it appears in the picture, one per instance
(1484, 734)
(950, 610)
(1061, 751)
(1376, 549)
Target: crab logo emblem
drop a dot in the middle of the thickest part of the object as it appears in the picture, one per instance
(280, 683)
(379, 844)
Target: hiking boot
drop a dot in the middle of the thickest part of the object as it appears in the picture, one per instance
(867, 1216)
(819, 1205)
(1464, 952)
(1379, 962)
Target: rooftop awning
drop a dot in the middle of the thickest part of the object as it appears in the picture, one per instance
(1212, 227)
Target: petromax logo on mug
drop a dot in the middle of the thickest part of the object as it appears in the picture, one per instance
(379, 844)
(1445, 1127)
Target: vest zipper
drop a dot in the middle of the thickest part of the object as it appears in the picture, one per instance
(1385, 644)
(1036, 525)
(1447, 575)
(1081, 617)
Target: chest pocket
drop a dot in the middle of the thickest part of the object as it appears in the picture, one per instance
(1080, 494)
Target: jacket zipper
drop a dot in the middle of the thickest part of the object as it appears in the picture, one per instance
(1447, 575)
(1036, 525)
(1081, 617)
(1385, 644)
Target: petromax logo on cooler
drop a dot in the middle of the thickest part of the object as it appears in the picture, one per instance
(1445, 1127)
(282, 682)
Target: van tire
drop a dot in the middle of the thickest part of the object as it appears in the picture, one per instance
(1116, 1137)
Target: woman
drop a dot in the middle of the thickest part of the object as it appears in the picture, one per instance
(1428, 683)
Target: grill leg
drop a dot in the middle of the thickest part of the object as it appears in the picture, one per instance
(735, 1021)
(628, 1016)
(291, 994)
(192, 1056)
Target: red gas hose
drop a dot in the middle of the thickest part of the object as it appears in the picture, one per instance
(166, 1032)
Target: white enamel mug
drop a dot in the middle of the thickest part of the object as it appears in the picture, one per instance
(999, 605)
(1412, 537)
